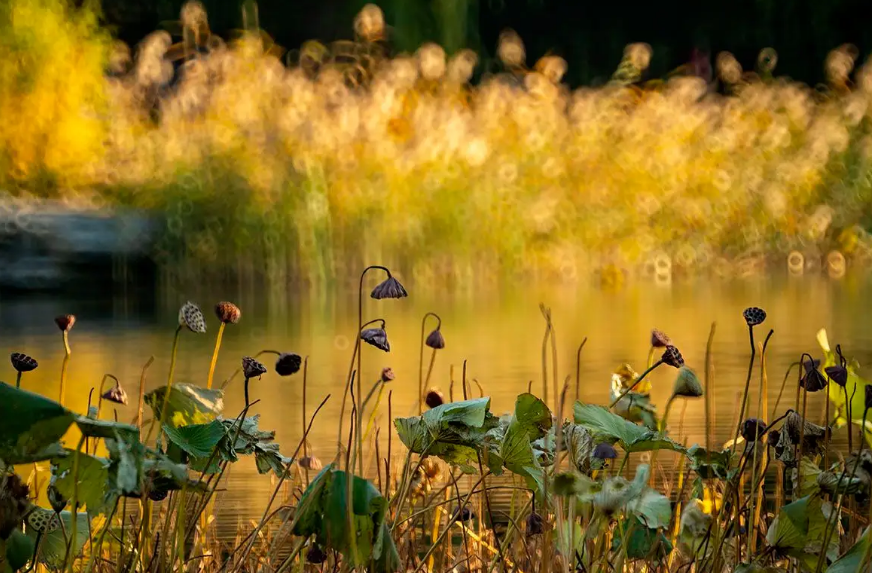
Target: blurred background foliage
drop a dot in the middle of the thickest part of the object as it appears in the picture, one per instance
(274, 158)
(591, 34)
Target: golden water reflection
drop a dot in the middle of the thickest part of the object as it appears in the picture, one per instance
(498, 332)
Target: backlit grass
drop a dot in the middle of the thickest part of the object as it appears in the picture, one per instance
(300, 165)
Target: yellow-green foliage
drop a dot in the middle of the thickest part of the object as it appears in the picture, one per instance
(51, 91)
(260, 166)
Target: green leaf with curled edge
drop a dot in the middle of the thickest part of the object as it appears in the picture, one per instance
(187, 404)
(30, 426)
(607, 426)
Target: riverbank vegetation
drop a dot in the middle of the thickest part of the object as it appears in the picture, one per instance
(299, 164)
(583, 487)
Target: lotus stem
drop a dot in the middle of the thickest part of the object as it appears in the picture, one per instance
(709, 387)
(578, 367)
(100, 394)
(18, 380)
(360, 349)
(302, 444)
(848, 413)
(246, 394)
(96, 549)
(747, 385)
(142, 392)
(662, 431)
(835, 515)
(349, 492)
(783, 385)
(752, 538)
(388, 458)
(445, 531)
(421, 382)
(64, 367)
(636, 383)
(215, 355)
(350, 381)
(238, 371)
(305, 385)
(70, 557)
(650, 359)
(166, 400)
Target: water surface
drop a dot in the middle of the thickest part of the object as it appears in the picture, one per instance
(498, 332)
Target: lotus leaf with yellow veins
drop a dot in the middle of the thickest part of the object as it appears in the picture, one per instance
(855, 388)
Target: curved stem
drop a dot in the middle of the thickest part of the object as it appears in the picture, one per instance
(142, 392)
(709, 384)
(783, 385)
(751, 521)
(169, 386)
(66, 337)
(848, 414)
(835, 515)
(215, 355)
(64, 366)
(238, 371)
(360, 350)
(350, 379)
(421, 359)
(636, 383)
(70, 558)
(653, 463)
(747, 386)
(578, 367)
(100, 395)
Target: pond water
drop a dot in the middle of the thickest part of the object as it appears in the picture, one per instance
(498, 331)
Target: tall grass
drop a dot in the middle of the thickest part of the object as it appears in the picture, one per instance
(300, 165)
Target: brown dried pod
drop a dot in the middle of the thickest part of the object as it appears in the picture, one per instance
(116, 394)
(434, 398)
(227, 312)
(672, 357)
(22, 362)
(65, 322)
(389, 288)
(251, 368)
(754, 316)
(659, 339)
(288, 363)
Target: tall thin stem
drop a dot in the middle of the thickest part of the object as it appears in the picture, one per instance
(747, 385)
(752, 527)
(169, 386)
(65, 366)
(578, 367)
(359, 392)
(18, 380)
(142, 392)
(100, 395)
(709, 387)
(421, 359)
(350, 380)
(215, 355)
(70, 558)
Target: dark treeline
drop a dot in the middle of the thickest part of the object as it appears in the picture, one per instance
(590, 35)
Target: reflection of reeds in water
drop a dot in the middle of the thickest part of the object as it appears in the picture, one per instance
(319, 151)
